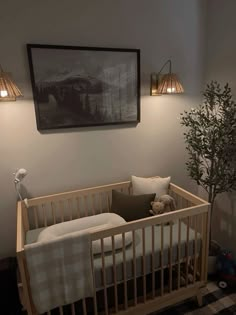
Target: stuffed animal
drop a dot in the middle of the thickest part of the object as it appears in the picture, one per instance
(168, 201)
(157, 208)
(164, 203)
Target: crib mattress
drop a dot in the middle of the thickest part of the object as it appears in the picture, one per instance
(32, 236)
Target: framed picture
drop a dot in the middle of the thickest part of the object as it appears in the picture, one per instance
(84, 86)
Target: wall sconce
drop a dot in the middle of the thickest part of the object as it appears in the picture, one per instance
(8, 89)
(165, 83)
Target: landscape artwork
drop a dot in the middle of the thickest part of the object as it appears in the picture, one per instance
(82, 86)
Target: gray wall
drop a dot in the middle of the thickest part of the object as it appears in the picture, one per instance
(60, 161)
(221, 65)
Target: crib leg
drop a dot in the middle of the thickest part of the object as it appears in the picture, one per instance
(199, 298)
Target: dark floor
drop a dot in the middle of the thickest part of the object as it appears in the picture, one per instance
(215, 301)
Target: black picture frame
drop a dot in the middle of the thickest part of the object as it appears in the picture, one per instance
(76, 86)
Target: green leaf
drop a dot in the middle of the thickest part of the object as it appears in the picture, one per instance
(210, 138)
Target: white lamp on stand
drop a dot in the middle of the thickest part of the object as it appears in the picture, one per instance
(19, 176)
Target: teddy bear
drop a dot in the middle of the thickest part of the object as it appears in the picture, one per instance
(164, 203)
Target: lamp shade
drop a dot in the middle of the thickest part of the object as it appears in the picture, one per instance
(165, 83)
(170, 84)
(8, 89)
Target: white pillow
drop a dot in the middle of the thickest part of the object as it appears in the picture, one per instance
(90, 224)
(158, 185)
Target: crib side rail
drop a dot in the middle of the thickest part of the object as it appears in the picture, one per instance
(49, 210)
(186, 270)
(53, 209)
(185, 195)
(154, 220)
(80, 192)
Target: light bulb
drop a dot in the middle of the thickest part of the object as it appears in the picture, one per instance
(170, 90)
(3, 93)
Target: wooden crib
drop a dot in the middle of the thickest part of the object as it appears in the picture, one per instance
(150, 281)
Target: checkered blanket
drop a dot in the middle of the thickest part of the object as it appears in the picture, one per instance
(60, 270)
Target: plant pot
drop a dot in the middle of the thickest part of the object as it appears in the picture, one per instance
(212, 265)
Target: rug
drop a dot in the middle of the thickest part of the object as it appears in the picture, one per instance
(215, 301)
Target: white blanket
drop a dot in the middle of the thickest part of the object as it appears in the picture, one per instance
(60, 270)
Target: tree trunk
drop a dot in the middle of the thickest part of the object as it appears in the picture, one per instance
(212, 202)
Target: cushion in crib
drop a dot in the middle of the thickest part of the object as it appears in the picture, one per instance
(157, 185)
(90, 224)
(131, 207)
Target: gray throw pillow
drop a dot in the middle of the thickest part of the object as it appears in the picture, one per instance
(131, 207)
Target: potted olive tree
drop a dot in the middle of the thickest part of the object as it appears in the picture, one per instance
(210, 138)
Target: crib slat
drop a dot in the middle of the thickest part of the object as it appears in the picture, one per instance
(187, 254)
(36, 221)
(175, 196)
(61, 310)
(177, 200)
(53, 212)
(62, 210)
(124, 272)
(203, 250)
(134, 267)
(195, 250)
(94, 283)
(144, 265)
(70, 208)
(179, 248)
(73, 309)
(44, 215)
(108, 202)
(114, 273)
(170, 257)
(207, 240)
(181, 202)
(93, 204)
(199, 226)
(185, 203)
(153, 262)
(85, 205)
(104, 276)
(84, 307)
(100, 202)
(162, 258)
(78, 208)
